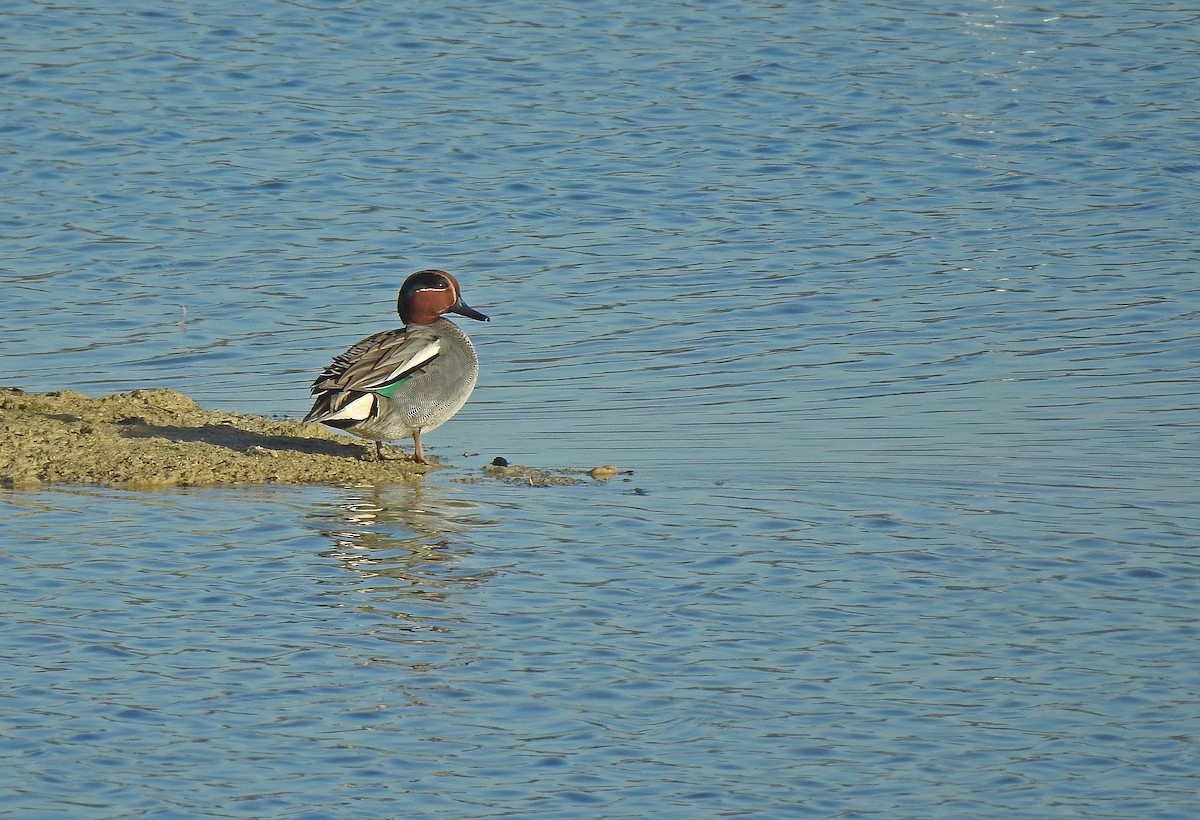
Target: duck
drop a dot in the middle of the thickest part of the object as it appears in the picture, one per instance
(407, 381)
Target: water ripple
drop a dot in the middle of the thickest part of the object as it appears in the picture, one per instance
(890, 310)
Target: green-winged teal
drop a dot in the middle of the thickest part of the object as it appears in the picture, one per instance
(407, 381)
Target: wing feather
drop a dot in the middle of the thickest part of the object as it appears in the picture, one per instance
(374, 364)
(378, 361)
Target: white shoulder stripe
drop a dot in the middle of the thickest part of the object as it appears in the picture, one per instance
(410, 362)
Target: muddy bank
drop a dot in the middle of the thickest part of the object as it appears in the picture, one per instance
(160, 438)
(157, 438)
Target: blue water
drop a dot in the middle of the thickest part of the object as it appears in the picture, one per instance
(891, 309)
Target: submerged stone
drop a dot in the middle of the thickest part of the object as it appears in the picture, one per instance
(157, 438)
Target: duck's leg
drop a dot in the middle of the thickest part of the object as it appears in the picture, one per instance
(418, 450)
(379, 451)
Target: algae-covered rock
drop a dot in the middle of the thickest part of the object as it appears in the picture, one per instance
(501, 470)
(162, 438)
(531, 476)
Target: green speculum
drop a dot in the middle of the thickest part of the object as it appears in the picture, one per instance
(391, 388)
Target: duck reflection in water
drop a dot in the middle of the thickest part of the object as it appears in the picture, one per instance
(402, 543)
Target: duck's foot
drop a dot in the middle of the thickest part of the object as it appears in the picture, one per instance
(379, 455)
